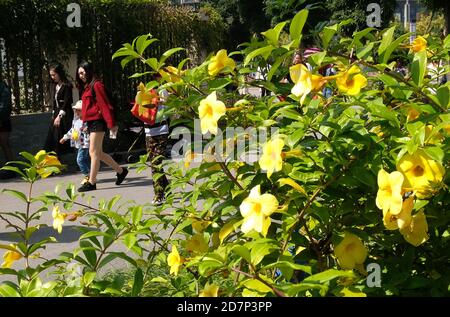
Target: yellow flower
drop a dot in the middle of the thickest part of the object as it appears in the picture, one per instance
(271, 159)
(447, 128)
(171, 74)
(420, 172)
(210, 290)
(210, 110)
(350, 251)
(58, 219)
(351, 82)
(303, 81)
(256, 209)
(401, 220)
(219, 62)
(200, 225)
(432, 136)
(197, 244)
(419, 44)
(146, 96)
(49, 161)
(10, 256)
(188, 158)
(417, 231)
(389, 195)
(174, 260)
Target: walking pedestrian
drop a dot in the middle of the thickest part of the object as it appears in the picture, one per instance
(98, 114)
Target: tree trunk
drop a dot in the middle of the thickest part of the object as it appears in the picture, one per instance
(447, 17)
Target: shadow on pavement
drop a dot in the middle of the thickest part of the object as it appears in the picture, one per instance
(68, 234)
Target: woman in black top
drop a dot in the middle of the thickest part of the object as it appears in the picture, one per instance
(61, 122)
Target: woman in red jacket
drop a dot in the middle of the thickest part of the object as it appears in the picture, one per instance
(97, 112)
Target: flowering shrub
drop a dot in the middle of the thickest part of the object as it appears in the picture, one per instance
(308, 181)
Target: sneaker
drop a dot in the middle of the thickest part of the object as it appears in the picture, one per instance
(158, 201)
(85, 179)
(121, 177)
(87, 187)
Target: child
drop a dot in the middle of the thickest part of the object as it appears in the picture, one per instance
(79, 138)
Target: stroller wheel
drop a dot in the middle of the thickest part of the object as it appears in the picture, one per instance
(132, 158)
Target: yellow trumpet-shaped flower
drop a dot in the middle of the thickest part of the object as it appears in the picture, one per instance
(271, 159)
(401, 220)
(58, 219)
(256, 209)
(351, 82)
(188, 158)
(200, 225)
(146, 96)
(417, 231)
(210, 290)
(210, 111)
(171, 74)
(419, 44)
(197, 244)
(432, 136)
(302, 81)
(350, 251)
(420, 172)
(174, 260)
(10, 256)
(389, 195)
(42, 168)
(219, 62)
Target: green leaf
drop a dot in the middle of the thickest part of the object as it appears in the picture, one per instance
(88, 277)
(435, 153)
(297, 23)
(126, 60)
(137, 214)
(328, 275)
(292, 265)
(418, 67)
(443, 95)
(169, 53)
(264, 51)
(357, 36)
(138, 283)
(327, 34)
(243, 252)
(153, 63)
(273, 35)
(260, 250)
(386, 40)
(130, 240)
(142, 43)
(13, 169)
(393, 46)
(365, 51)
(9, 289)
(16, 194)
(380, 110)
(89, 252)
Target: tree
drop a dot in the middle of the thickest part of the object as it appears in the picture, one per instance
(440, 5)
(243, 17)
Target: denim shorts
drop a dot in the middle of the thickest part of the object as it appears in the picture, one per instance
(96, 126)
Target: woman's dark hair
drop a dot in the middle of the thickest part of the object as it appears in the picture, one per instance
(59, 69)
(90, 74)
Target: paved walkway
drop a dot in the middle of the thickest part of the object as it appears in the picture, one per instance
(137, 187)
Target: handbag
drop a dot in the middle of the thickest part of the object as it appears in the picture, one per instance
(147, 115)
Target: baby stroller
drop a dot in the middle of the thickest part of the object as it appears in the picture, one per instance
(130, 143)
